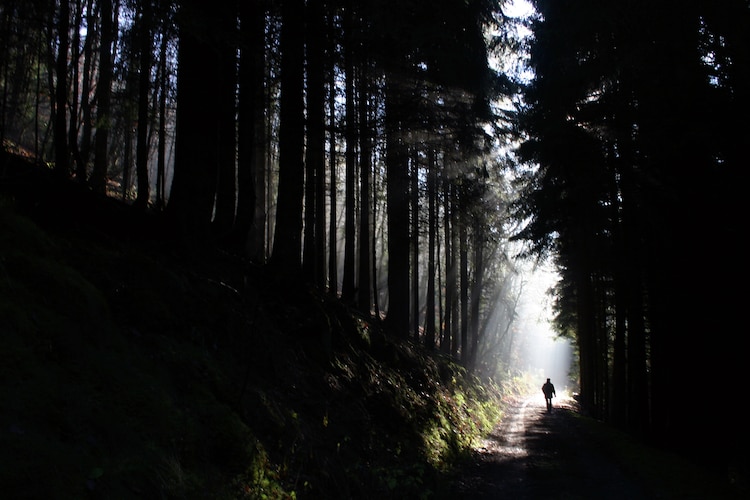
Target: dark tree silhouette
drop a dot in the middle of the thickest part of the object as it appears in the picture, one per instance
(315, 235)
(248, 234)
(103, 98)
(623, 120)
(144, 33)
(226, 102)
(287, 245)
(198, 145)
(62, 160)
(391, 86)
(366, 133)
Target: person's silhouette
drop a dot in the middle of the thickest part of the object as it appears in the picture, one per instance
(549, 392)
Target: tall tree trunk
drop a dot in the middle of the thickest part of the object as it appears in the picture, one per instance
(320, 172)
(127, 156)
(103, 99)
(463, 251)
(75, 96)
(476, 293)
(61, 91)
(429, 327)
(144, 32)
(287, 246)
(363, 294)
(248, 234)
(374, 241)
(333, 280)
(397, 189)
(637, 381)
(618, 406)
(129, 118)
(350, 133)
(455, 285)
(37, 104)
(414, 201)
(585, 328)
(602, 344)
(226, 188)
(6, 17)
(191, 201)
(448, 339)
(161, 160)
(315, 153)
(86, 110)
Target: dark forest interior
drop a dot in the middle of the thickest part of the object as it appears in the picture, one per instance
(282, 248)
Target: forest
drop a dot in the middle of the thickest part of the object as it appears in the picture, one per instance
(407, 162)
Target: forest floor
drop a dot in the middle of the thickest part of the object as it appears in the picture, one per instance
(535, 454)
(131, 368)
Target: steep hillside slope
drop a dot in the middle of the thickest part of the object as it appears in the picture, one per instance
(131, 371)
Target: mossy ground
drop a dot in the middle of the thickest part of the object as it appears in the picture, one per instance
(130, 371)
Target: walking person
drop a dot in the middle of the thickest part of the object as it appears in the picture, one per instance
(549, 392)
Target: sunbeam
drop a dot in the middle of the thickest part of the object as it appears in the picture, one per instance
(542, 353)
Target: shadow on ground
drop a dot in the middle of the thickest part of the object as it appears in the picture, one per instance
(535, 454)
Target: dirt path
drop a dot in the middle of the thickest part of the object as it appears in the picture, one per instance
(534, 454)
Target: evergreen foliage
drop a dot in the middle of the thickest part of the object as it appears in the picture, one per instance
(631, 195)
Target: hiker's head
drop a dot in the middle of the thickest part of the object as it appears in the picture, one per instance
(547, 380)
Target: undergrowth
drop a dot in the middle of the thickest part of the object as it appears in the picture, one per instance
(130, 372)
